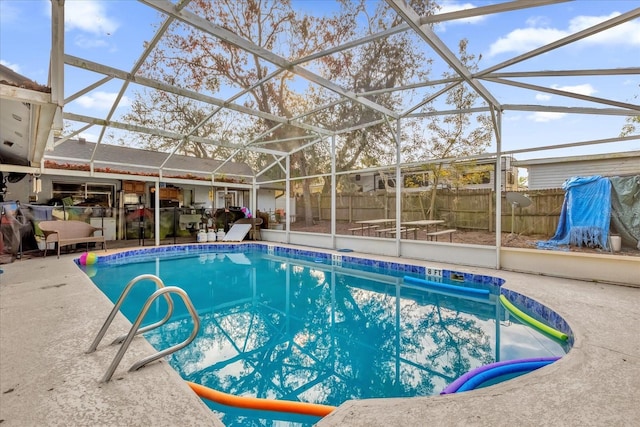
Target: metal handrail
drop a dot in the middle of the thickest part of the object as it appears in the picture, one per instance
(134, 330)
(159, 284)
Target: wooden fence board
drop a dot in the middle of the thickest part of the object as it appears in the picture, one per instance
(462, 209)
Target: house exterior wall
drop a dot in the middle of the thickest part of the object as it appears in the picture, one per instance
(22, 191)
(266, 201)
(553, 175)
(19, 191)
(201, 196)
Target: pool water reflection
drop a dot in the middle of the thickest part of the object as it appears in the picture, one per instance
(309, 331)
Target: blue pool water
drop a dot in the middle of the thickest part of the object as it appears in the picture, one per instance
(316, 329)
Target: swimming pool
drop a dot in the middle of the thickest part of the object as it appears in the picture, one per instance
(321, 327)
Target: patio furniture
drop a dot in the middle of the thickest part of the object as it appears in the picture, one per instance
(362, 229)
(405, 231)
(254, 232)
(423, 224)
(392, 231)
(442, 232)
(70, 232)
(369, 223)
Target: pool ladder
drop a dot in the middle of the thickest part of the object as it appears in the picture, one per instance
(161, 290)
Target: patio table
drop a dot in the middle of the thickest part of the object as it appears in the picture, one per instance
(426, 223)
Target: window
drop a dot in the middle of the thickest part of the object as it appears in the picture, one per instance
(416, 180)
(226, 198)
(479, 177)
(90, 193)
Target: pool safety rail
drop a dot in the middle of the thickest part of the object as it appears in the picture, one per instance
(245, 402)
(531, 321)
(161, 290)
(480, 375)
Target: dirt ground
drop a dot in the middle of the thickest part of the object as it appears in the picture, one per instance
(468, 236)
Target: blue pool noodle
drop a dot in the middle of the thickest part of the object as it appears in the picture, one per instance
(481, 374)
(476, 381)
(444, 287)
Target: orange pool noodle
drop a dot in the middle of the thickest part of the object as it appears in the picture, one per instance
(261, 404)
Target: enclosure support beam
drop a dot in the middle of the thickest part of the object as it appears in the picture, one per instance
(430, 37)
(156, 211)
(254, 198)
(287, 200)
(498, 190)
(398, 187)
(333, 191)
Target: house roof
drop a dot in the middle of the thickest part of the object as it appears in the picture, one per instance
(571, 159)
(26, 118)
(125, 160)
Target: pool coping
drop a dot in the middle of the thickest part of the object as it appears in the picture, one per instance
(605, 357)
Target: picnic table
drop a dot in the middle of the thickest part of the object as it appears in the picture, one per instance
(406, 226)
(426, 223)
(369, 224)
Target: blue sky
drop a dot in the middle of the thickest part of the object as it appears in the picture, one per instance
(112, 32)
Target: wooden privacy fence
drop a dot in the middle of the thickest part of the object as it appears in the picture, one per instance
(462, 209)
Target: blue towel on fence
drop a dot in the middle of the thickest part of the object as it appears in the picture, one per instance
(585, 215)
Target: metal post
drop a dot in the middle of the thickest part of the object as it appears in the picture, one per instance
(333, 191)
(398, 188)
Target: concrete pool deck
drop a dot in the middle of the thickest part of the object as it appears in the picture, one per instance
(50, 312)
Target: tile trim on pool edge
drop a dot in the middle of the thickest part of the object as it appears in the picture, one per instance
(529, 305)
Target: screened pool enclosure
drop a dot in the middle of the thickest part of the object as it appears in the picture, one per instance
(414, 114)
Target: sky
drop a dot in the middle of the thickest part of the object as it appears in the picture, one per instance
(112, 32)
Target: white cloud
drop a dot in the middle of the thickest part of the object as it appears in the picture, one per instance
(627, 33)
(511, 118)
(453, 6)
(585, 89)
(89, 42)
(539, 34)
(89, 16)
(14, 67)
(102, 100)
(542, 117)
(525, 39)
(542, 97)
(538, 21)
